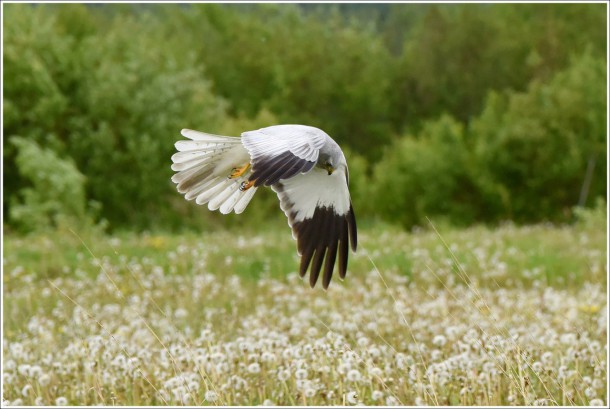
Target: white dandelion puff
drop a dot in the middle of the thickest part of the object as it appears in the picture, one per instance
(25, 391)
(283, 375)
(211, 396)
(35, 371)
(352, 397)
(24, 369)
(547, 357)
(353, 375)
(376, 372)
(439, 341)
(363, 341)
(301, 373)
(61, 401)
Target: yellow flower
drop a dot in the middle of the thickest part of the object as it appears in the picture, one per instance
(589, 308)
(156, 242)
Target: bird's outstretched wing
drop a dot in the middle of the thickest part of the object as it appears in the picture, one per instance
(321, 216)
(282, 151)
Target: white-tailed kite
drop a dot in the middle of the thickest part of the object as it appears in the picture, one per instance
(302, 164)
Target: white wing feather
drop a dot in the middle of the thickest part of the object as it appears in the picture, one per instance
(302, 141)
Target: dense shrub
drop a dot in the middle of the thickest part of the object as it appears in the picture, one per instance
(426, 175)
(524, 158)
(533, 147)
(53, 192)
(111, 100)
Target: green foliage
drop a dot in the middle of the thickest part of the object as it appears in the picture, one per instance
(593, 217)
(54, 193)
(113, 101)
(315, 68)
(359, 184)
(426, 175)
(533, 147)
(524, 158)
(452, 56)
(503, 105)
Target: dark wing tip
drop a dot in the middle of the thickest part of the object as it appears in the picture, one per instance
(343, 248)
(319, 239)
(353, 233)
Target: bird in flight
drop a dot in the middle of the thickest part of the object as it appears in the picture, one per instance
(302, 164)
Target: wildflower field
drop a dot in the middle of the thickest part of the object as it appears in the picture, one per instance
(480, 316)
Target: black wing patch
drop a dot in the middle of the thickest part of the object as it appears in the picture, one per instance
(319, 239)
(268, 170)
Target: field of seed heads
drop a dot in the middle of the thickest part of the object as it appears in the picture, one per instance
(473, 321)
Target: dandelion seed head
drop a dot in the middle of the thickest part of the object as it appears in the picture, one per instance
(254, 368)
(283, 375)
(211, 396)
(26, 390)
(24, 369)
(268, 357)
(61, 401)
(352, 397)
(376, 372)
(301, 373)
(376, 395)
(547, 357)
(353, 375)
(597, 383)
(391, 401)
(35, 371)
(7, 378)
(439, 340)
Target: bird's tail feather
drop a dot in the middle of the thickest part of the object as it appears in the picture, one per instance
(205, 167)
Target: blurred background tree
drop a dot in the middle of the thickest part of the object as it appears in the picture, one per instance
(471, 112)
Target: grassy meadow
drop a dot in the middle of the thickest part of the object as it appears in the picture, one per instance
(439, 316)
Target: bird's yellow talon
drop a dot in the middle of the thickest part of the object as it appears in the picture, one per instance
(237, 172)
(246, 185)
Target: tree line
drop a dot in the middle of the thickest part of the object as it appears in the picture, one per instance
(466, 112)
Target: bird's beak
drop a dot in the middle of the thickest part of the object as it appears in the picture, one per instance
(330, 170)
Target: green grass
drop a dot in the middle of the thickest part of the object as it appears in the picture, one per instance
(504, 316)
(559, 256)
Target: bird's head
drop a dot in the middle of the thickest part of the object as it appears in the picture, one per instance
(331, 158)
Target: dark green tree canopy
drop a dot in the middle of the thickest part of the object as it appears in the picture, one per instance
(476, 112)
